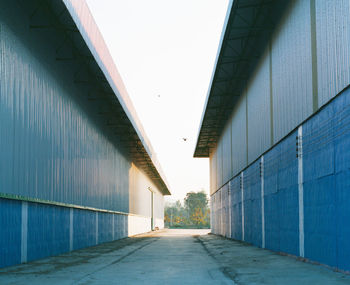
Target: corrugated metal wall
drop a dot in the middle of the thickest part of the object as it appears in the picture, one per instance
(259, 119)
(333, 47)
(284, 80)
(10, 237)
(292, 70)
(299, 202)
(226, 154)
(219, 163)
(302, 207)
(51, 143)
(55, 151)
(239, 137)
(305, 206)
(213, 172)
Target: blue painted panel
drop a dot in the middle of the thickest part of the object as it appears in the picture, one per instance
(288, 201)
(247, 203)
(84, 224)
(320, 220)
(105, 228)
(343, 214)
(116, 227)
(219, 211)
(342, 131)
(236, 218)
(271, 198)
(10, 232)
(252, 204)
(225, 210)
(287, 167)
(120, 226)
(318, 147)
(272, 231)
(48, 230)
(124, 226)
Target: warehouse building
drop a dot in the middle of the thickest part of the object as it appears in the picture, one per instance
(76, 168)
(276, 128)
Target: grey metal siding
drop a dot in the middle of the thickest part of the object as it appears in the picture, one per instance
(239, 137)
(333, 47)
(219, 162)
(292, 69)
(226, 153)
(213, 172)
(158, 205)
(258, 92)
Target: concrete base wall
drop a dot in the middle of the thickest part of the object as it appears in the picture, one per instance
(159, 223)
(138, 225)
(295, 198)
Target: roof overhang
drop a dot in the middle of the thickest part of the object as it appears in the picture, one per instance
(83, 44)
(246, 33)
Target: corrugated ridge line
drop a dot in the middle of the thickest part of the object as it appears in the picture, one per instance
(84, 20)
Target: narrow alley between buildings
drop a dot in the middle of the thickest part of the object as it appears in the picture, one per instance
(172, 257)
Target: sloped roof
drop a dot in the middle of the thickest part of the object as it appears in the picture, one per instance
(246, 32)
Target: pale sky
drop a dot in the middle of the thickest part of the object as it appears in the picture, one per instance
(165, 52)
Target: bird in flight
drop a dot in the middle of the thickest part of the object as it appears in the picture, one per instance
(184, 139)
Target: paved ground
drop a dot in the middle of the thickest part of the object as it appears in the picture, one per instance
(171, 257)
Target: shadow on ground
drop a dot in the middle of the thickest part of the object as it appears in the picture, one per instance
(180, 256)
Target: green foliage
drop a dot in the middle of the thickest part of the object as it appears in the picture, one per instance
(194, 214)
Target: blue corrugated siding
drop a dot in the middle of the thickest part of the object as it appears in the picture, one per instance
(84, 224)
(287, 184)
(271, 160)
(105, 228)
(319, 188)
(326, 191)
(48, 230)
(342, 177)
(10, 232)
(252, 204)
(320, 220)
(53, 145)
(342, 213)
(236, 201)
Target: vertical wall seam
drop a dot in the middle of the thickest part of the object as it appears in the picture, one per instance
(96, 228)
(262, 204)
(301, 192)
(229, 210)
(113, 229)
(246, 125)
(314, 56)
(71, 229)
(271, 94)
(231, 148)
(242, 197)
(24, 233)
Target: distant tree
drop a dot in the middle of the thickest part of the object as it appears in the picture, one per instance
(196, 200)
(175, 214)
(197, 208)
(194, 213)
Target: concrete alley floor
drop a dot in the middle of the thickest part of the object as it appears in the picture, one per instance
(171, 257)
